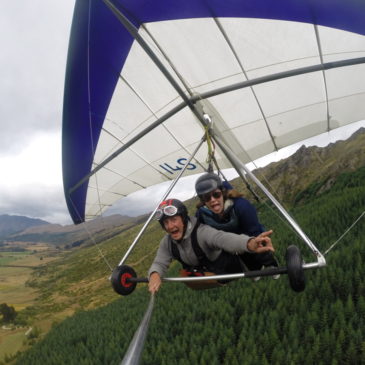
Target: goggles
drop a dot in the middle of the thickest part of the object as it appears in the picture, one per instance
(208, 196)
(169, 210)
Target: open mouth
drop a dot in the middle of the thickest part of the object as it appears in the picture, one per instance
(215, 206)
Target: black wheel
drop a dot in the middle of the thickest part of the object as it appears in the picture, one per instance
(294, 265)
(120, 277)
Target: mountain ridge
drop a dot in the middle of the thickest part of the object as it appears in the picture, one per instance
(308, 165)
(285, 178)
(71, 235)
(10, 224)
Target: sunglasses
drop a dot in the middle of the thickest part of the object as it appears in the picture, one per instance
(206, 197)
(168, 210)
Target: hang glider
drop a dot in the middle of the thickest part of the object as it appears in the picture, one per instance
(141, 75)
(147, 81)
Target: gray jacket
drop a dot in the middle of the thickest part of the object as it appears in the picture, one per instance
(211, 241)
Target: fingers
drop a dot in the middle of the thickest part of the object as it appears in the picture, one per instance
(261, 244)
(153, 288)
(154, 283)
(265, 234)
(266, 245)
(262, 249)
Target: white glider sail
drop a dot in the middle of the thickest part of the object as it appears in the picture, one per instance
(206, 56)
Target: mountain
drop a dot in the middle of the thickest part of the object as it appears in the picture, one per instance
(310, 165)
(75, 235)
(10, 224)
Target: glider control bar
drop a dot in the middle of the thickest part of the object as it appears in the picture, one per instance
(124, 279)
(135, 348)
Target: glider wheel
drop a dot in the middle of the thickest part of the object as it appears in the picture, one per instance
(119, 280)
(295, 268)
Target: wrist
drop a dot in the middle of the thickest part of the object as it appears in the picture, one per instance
(251, 244)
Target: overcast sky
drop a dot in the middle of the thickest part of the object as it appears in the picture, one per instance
(34, 39)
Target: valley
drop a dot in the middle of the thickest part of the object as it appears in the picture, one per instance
(47, 282)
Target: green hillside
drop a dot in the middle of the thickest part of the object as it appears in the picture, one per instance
(243, 323)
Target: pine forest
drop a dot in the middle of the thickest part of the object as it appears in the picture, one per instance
(245, 322)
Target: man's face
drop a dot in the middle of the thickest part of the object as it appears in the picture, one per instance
(215, 202)
(174, 226)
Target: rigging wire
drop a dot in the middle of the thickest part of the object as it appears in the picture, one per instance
(345, 233)
(211, 159)
(91, 237)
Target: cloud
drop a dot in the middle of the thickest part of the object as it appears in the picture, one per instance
(32, 182)
(146, 200)
(36, 201)
(35, 36)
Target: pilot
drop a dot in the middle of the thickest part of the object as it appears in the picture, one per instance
(225, 209)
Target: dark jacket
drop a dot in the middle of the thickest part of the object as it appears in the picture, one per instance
(239, 217)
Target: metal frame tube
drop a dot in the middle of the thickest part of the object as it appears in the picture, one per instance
(174, 182)
(241, 169)
(133, 31)
(279, 76)
(128, 144)
(248, 274)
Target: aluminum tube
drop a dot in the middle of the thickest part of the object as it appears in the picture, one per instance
(241, 169)
(135, 348)
(278, 76)
(133, 31)
(248, 274)
(174, 182)
(128, 144)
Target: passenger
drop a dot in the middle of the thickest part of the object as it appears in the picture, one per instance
(199, 246)
(225, 209)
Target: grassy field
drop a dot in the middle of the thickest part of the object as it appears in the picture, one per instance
(11, 341)
(15, 292)
(7, 258)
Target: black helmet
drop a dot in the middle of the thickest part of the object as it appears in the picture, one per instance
(170, 208)
(207, 183)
